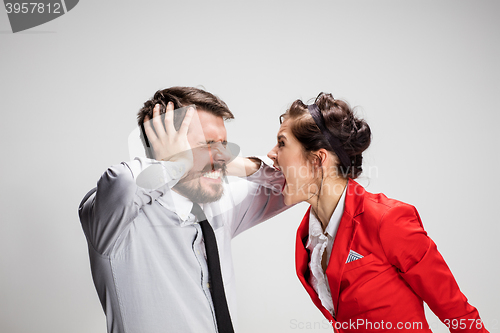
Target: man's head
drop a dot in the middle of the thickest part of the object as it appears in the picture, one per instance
(207, 137)
(184, 96)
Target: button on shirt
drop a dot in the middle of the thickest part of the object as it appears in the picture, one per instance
(146, 249)
(319, 242)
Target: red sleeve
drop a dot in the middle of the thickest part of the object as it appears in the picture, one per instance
(408, 247)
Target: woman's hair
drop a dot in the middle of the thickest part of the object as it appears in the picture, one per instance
(353, 132)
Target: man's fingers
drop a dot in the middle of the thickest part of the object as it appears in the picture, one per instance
(187, 120)
(150, 133)
(169, 119)
(157, 121)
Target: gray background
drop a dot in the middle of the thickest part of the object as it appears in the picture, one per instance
(425, 74)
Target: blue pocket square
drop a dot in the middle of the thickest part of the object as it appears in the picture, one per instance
(353, 256)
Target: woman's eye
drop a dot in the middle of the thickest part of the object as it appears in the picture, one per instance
(281, 143)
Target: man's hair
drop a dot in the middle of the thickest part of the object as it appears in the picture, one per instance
(184, 96)
(181, 96)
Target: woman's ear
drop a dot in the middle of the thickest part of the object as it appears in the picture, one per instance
(318, 158)
(322, 156)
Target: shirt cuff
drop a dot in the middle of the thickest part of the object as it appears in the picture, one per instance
(267, 176)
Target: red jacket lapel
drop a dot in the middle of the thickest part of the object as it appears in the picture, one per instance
(344, 238)
(302, 264)
(340, 251)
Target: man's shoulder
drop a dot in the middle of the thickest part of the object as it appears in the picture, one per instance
(87, 196)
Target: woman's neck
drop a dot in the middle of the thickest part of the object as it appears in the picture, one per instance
(325, 202)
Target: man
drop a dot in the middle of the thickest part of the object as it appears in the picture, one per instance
(146, 247)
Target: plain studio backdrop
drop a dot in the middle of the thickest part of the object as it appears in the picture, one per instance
(424, 74)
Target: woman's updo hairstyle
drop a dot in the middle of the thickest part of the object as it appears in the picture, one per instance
(354, 133)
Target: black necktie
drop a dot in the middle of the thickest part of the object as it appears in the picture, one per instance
(222, 315)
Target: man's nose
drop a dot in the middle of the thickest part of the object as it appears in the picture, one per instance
(220, 152)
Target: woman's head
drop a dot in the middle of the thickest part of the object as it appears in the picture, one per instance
(307, 156)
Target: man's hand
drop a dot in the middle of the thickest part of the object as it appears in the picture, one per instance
(169, 144)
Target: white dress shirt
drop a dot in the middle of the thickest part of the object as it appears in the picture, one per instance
(317, 243)
(147, 253)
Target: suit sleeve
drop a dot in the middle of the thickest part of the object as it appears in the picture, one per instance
(416, 256)
(108, 209)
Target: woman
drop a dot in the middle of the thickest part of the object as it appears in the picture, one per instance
(364, 259)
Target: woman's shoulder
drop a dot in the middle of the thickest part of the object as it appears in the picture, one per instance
(384, 202)
(379, 205)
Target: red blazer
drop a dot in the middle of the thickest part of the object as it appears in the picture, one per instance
(400, 269)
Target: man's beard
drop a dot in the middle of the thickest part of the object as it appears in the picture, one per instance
(190, 186)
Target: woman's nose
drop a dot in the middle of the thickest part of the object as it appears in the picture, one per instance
(272, 154)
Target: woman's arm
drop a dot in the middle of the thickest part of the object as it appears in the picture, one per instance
(408, 247)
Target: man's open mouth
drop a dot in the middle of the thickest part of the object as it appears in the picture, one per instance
(213, 174)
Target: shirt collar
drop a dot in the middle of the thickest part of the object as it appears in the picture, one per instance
(178, 204)
(315, 228)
